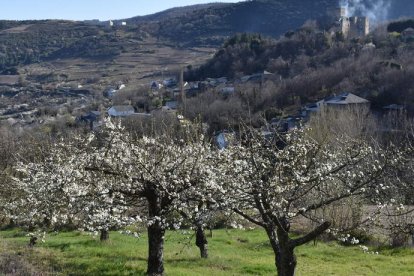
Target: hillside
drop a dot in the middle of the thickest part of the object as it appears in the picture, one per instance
(29, 42)
(172, 13)
(211, 25)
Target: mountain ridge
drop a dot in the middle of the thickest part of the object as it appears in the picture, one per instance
(169, 13)
(212, 24)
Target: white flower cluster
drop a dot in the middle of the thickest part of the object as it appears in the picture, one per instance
(113, 179)
(365, 249)
(107, 180)
(347, 239)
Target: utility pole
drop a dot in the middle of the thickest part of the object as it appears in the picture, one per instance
(183, 97)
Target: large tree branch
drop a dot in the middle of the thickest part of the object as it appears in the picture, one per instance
(249, 218)
(312, 235)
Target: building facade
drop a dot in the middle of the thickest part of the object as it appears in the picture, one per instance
(352, 27)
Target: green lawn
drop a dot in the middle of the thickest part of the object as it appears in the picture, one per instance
(232, 252)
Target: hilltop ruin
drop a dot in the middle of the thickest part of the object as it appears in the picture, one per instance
(351, 26)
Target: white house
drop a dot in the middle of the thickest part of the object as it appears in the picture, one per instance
(121, 111)
(342, 100)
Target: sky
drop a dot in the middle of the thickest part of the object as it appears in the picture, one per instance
(88, 9)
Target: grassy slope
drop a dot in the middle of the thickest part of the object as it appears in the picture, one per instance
(232, 252)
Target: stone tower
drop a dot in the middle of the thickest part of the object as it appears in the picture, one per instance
(352, 26)
(358, 26)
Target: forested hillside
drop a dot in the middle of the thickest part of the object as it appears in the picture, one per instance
(308, 65)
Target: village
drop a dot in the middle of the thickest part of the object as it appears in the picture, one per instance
(71, 105)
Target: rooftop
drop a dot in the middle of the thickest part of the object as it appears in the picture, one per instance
(344, 99)
(123, 108)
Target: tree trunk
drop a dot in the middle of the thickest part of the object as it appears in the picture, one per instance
(284, 247)
(32, 241)
(155, 249)
(285, 259)
(104, 235)
(201, 241)
(156, 232)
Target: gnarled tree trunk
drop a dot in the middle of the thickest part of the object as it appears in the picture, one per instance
(104, 235)
(201, 241)
(284, 247)
(285, 259)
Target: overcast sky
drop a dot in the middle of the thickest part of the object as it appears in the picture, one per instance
(88, 9)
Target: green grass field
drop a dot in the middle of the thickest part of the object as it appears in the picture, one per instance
(232, 252)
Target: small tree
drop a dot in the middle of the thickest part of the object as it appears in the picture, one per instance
(204, 207)
(38, 200)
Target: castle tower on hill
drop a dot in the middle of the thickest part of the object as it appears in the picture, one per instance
(352, 26)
